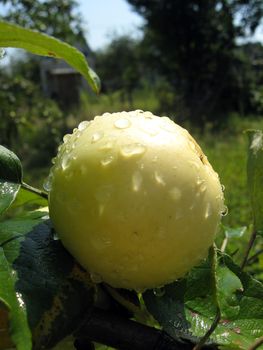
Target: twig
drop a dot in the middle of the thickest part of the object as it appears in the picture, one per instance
(214, 263)
(249, 246)
(257, 343)
(224, 244)
(34, 190)
(253, 257)
(209, 332)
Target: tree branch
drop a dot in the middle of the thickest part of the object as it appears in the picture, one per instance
(249, 247)
(124, 334)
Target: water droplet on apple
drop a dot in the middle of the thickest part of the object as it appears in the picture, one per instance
(96, 136)
(65, 161)
(159, 178)
(159, 292)
(66, 138)
(83, 125)
(107, 160)
(136, 181)
(208, 210)
(47, 185)
(132, 149)
(122, 123)
(224, 212)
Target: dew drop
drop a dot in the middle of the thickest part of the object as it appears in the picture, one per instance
(65, 161)
(175, 193)
(194, 164)
(107, 114)
(107, 145)
(159, 178)
(107, 160)
(66, 138)
(47, 185)
(148, 127)
(148, 115)
(224, 212)
(208, 210)
(95, 277)
(132, 149)
(97, 136)
(136, 181)
(203, 187)
(192, 145)
(223, 188)
(122, 123)
(83, 125)
(53, 160)
(168, 125)
(159, 292)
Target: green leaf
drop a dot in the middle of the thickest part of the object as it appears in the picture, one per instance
(8, 192)
(10, 177)
(49, 291)
(10, 166)
(20, 332)
(187, 308)
(29, 200)
(255, 177)
(41, 44)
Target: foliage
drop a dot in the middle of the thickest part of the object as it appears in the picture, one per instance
(120, 57)
(193, 44)
(26, 115)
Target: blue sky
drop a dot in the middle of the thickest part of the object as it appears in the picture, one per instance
(104, 18)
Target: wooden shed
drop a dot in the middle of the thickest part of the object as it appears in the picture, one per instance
(61, 82)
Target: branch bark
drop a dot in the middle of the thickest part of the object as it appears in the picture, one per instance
(125, 334)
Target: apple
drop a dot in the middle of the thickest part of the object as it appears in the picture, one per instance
(134, 199)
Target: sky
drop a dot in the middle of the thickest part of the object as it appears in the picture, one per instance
(104, 18)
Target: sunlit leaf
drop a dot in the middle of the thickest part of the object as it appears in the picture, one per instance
(186, 309)
(40, 44)
(10, 177)
(10, 166)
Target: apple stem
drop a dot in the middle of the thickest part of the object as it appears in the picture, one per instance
(34, 190)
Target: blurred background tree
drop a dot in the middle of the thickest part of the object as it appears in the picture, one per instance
(193, 44)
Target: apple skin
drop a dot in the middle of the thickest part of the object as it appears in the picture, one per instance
(134, 199)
